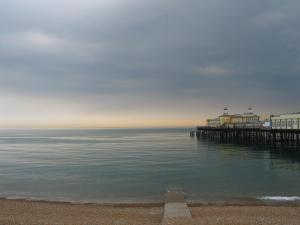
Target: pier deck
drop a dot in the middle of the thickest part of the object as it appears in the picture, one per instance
(253, 135)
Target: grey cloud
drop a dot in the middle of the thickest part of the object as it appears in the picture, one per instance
(213, 50)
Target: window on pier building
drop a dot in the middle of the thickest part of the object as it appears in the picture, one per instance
(283, 123)
(278, 124)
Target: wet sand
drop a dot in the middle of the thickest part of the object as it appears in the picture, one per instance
(24, 212)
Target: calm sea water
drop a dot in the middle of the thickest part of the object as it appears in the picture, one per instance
(139, 165)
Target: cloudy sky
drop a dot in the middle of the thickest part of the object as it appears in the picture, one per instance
(132, 63)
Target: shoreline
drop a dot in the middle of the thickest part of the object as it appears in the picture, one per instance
(82, 203)
(221, 203)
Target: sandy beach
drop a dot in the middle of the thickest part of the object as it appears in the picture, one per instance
(246, 215)
(24, 212)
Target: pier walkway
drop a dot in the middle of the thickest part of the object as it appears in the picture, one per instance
(176, 210)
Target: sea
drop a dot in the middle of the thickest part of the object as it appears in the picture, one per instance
(141, 165)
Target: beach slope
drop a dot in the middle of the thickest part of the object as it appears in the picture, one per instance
(23, 212)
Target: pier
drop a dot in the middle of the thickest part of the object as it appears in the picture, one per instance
(249, 135)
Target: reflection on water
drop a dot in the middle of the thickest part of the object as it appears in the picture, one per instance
(140, 165)
(285, 157)
(281, 155)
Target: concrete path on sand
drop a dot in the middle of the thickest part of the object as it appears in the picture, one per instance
(176, 210)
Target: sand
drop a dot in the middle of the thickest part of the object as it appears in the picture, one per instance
(23, 212)
(246, 215)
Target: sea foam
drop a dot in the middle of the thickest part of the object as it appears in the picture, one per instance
(280, 198)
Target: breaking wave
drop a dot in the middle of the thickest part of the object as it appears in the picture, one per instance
(280, 198)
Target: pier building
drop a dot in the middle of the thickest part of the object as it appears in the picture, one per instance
(214, 122)
(245, 120)
(289, 121)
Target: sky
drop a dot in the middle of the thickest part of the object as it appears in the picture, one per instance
(146, 63)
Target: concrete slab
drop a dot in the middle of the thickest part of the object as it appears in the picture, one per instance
(176, 210)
